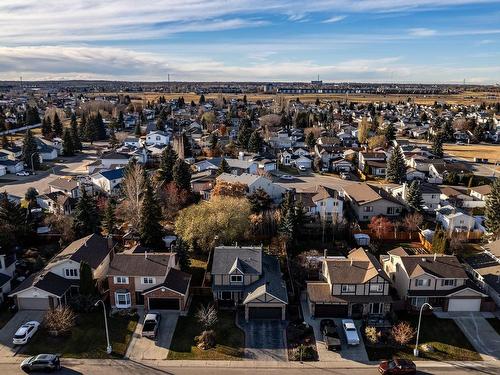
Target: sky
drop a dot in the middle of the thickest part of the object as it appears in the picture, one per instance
(404, 41)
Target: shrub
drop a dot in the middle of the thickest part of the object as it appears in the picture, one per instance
(59, 321)
(402, 333)
(372, 335)
(206, 340)
(304, 353)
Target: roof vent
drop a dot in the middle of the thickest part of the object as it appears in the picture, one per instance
(424, 260)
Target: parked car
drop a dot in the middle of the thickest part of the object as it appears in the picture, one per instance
(22, 173)
(302, 168)
(41, 362)
(151, 325)
(287, 177)
(25, 332)
(350, 331)
(345, 176)
(331, 338)
(397, 366)
(326, 323)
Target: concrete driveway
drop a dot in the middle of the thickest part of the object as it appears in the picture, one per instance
(481, 335)
(265, 340)
(142, 348)
(352, 353)
(7, 349)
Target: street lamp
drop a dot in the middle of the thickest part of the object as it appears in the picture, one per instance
(415, 351)
(109, 349)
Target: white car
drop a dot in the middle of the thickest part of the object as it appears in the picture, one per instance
(302, 168)
(350, 331)
(25, 332)
(22, 173)
(287, 177)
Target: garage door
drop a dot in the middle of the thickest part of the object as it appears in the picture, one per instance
(334, 311)
(33, 303)
(164, 304)
(471, 304)
(264, 313)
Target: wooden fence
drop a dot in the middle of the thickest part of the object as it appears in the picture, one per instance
(389, 236)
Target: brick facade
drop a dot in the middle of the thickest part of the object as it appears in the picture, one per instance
(167, 293)
(130, 287)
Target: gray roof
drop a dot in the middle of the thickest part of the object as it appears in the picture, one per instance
(248, 259)
(49, 282)
(176, 280)
(139, 264)
(270, 282)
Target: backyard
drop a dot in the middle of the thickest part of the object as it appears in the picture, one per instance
(230, 340)
(448, 341)
(87, 339)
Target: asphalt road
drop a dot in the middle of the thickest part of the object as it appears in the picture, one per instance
(66, 167)
(132, 368)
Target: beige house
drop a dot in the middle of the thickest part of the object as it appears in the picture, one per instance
(354, 286)
(439, 280)
(246, 276)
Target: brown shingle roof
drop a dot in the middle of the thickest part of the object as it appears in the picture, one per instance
(483, 189)
(445, 266)
(139, 265)
(64, 183)
(91, 249)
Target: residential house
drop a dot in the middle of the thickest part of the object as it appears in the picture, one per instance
(368, 201)
(132, 142)
(438, 172)
(352, 286)
(55, 202)
(152, 280)
(323, 203)
(113, 160)
(438, 279)
(237, 166)
(158, 137)
(430, 194)
(378, 157)
(455, 220)
(7, 271)
(254, 182)
(60, 278)
(108, 181)
(67, 186)
(249, 277)
(480, 192)
(46, 151)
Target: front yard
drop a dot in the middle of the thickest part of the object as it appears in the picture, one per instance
(87, 338)
(448, 341)
(230, 340)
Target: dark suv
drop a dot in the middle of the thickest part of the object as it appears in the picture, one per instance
(331, 336)
(41, 362)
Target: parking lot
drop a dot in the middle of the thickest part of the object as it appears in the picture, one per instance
(142, 348)
(7, 349)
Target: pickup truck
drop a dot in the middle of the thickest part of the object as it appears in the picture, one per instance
(151, 325)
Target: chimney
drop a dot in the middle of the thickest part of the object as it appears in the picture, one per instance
(146, 254)
(241, 155)
(435, 255)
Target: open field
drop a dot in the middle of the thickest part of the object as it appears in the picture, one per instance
(492, 152)
(463, 98)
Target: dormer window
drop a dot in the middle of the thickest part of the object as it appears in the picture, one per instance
(448, 282)
(236, 278)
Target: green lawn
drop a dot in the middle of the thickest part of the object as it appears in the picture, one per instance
(87, 338)
(495, 323)
(444, 335)
(229, 338)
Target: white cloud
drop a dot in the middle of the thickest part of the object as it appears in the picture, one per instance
(421, 32)
(333, 19)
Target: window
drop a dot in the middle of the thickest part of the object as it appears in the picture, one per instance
(226, 296)
(390, 210)
(423, 282)
(122, 299)
(448, 282)
(368, 209)
(121, 280)
(376, 287)
(348, 288)
(236, 278)
(71, 272)
(148, 280)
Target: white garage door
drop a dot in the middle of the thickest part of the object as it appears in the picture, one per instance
(464, 304)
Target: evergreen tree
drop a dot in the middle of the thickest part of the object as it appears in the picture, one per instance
(87, 283)
(30, 154)
(223, 167)
(182, 175)
(202, 99)
(68, 147)
(390, 132)
(167, 162)
(187, 146)
(311, 140)
(396, 168)
(91, 130)
(46, 127)
(150, 228)
(255, 142)
(121, 121)
(100, 127)
(82, 129)
(113, 141)
(138, 131)
(448, 131)
(214, 141)
(437, 145)
(183, 255)
(14, 227)
(244, 133)
(75, 136)
(86, 216)
(259, 200)
(109, 220)
(57, 125)
(492, 209)
(31, 116)
(414, 197)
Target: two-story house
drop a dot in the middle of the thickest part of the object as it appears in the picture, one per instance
(430, 194)
(439, 280)
(70, 187)
(373, 163)
(351, 286)
(60, 278)
(367, 201)
(108, 181)
(323, 203)
(158, 137)
(254, 182)
(152, 280)
(455, 220)
(249, 277)
(7, 269)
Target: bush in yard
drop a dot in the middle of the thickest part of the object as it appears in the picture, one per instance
(206, 340)
(372, 335)
(207, 316)
(304, 353)
(83, 303)
(402, 333)
(59, 321)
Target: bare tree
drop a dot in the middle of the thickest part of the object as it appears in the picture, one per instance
(59, 320)
(62, 224)
(413, 221)
(133, 187)
(456, 243)
(402, 333)
(207, 316)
